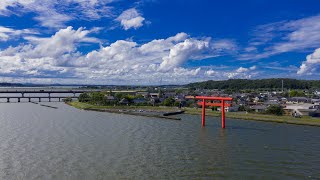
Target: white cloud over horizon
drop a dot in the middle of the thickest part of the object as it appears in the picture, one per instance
(312, 64)
(46, 41)
(122, 62)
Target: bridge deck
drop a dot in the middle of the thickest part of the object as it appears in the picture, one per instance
(17, 97)
(46, 91)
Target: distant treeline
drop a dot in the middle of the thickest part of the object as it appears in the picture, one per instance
(11, 85)
(241, 84)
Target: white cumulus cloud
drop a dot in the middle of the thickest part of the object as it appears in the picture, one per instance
(122, 62)
(210, 72)
(44, 56)
(311, 65)
(193, 49)
(131, 18)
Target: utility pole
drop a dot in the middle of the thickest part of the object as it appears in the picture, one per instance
(282, 85)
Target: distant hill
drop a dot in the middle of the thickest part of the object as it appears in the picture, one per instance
(238, 84)
(10, 85)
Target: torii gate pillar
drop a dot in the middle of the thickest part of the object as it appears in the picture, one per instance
(203, 113)
(223, 117)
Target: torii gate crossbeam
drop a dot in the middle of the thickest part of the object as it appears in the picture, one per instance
(222, 104)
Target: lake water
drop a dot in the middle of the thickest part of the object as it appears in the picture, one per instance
(38, 142)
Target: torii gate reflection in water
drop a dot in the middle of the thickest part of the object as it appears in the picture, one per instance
(222, 104)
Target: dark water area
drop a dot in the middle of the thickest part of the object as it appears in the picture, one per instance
(37, 142)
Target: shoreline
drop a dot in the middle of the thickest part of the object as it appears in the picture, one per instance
(117, 111)
(135, 111)
(306, 120)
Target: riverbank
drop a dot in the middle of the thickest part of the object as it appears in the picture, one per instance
(130, 110)
(305, 120)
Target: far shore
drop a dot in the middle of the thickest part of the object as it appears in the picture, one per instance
(305, 120)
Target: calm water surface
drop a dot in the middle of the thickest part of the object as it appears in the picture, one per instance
(42, 143)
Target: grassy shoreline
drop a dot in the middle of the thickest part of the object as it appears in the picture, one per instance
(306, 120)
(130, 110)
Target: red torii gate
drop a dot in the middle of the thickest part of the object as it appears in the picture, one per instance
(222, 104)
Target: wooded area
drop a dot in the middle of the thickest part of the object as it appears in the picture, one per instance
(240, 84)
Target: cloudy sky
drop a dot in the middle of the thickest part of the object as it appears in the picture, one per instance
(140, 42)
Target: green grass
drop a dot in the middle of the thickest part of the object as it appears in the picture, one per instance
(80, 105)
(305, 120)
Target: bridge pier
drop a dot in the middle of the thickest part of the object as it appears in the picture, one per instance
(59, 99)
(22, 94)
(18, 99)
(49, 99)
(39, 99)
(8, 100)
(29, 99)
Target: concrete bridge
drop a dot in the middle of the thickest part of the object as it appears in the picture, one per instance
(37, 98)
(41, 94)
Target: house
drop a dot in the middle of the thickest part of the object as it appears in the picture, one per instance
(229, 109)
(189, 97)
(154, 95)
(139, 101)
(273, 99)
(256, 99)
(179, 96)
(259, 108)
(301, 109)
(283, 99)
(182, 102)
(168, 95)
(124, 101)
(271, 103)
(110, 98)
(251, 103)
(234, 108)
(315, 101)
(154, 101)
(144, 94)
(241, 102)
(295, 100)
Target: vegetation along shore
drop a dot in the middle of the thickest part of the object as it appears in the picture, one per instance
(305, 120)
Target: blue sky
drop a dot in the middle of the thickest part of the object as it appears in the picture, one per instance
(140, 42)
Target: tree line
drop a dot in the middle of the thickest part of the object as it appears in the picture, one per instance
(242, 84)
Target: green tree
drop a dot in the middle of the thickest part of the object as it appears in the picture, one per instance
(168, 102)
(242, 108)
(139, 96)
(98, 98)
(176, 104)
(120, 95)
(178, 91)
(295, 93)
(276, 110)
(84, 97)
